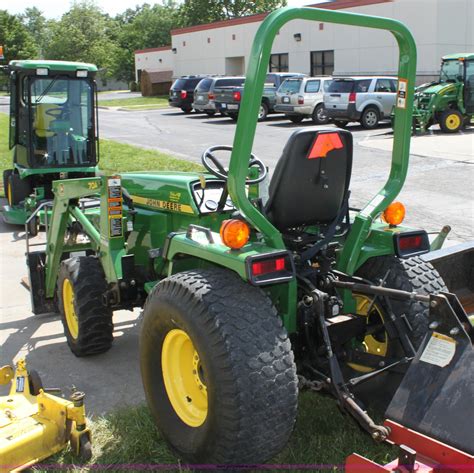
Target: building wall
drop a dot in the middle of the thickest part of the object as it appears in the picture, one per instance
(155, 59)
(439, 27)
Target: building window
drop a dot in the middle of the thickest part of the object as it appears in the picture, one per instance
(322, 63)
(279, 63)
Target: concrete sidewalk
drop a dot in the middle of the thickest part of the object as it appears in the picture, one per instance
(435, 144)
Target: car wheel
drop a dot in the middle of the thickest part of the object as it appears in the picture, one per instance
(320, 115)
(187, 109)
(451, 121)
(233, 116)
(263, 112)
(295, 119)
(210, 113)
(370, 118)
(340, 123)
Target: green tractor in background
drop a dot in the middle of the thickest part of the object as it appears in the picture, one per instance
(53, 123)
(450, 100)
(249, 291)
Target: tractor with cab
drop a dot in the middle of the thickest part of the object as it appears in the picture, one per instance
(52, 134)
(449, 101)
(254, 287)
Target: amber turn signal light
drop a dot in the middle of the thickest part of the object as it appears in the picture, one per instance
(234, 233)
(394, 214)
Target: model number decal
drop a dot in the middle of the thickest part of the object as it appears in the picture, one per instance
(402, 93)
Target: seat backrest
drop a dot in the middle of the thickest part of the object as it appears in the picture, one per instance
(42, 120)
(311, 179)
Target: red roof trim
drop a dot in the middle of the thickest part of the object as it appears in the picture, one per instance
(334, 5)
(151, 50)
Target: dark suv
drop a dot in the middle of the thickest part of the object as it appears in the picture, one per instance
(182, 92)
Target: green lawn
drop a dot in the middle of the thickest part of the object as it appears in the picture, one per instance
(323, 437)
(136, 103)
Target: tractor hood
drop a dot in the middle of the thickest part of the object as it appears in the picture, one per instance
(437, 88)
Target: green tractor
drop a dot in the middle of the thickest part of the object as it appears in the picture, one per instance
(450, 100)
(250, 291)
(53, 120)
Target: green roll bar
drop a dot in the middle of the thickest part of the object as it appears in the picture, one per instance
(247, 123)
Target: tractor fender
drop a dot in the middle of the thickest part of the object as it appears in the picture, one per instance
(205, 245)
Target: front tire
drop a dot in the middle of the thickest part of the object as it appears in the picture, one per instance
(451, 121)
(87, 321)
(263, 112)
(295, 118)
(208, 332)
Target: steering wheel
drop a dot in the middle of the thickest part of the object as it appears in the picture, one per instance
(214, 166)
(56, 113)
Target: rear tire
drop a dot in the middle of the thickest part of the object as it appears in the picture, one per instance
(35, 383)
(295, 118)
(245, 364)
(6, 176)
(233, 116)
(210, 113)
(451, 121)
(320, 115)
(17, 189)
(187, 109)
(370, 118)
(87, 321)
(412, 275)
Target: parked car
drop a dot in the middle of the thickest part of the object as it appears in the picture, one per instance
(302, 97)
(228, 99)
(182, 92)
(204, 93)
(367, 100)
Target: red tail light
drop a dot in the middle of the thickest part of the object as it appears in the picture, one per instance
(237, 96)
(183, 94)
(211, 96)
(300, 100)
(352, 97)
(411, 243)
(269, 266)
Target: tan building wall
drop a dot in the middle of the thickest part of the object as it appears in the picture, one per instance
(154, 59)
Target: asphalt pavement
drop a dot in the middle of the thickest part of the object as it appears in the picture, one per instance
(438, 191)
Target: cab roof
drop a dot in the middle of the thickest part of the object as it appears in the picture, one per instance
(57, 66)
(468, 56)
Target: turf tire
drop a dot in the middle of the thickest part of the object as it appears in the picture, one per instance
(95, 334)
(247, 357)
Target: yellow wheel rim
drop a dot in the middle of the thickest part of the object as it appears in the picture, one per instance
(453, 121)
(376, 344)
(69, 310)
(9, 194)
(184, 378)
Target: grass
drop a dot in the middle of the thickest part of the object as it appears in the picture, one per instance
(323, 437)
(136, 103)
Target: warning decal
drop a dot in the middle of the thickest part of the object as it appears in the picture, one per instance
(439, 351)
(402, 93)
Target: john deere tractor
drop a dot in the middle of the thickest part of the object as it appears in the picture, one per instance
(450, 100)
(52, 133)
(251, 291)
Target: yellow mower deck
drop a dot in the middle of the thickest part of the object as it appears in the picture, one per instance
(34, 427)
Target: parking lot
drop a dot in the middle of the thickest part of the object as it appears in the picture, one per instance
(438, 191)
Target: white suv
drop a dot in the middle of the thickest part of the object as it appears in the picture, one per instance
(360, 99)
(302, 97)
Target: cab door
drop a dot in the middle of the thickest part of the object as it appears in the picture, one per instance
(469, 87)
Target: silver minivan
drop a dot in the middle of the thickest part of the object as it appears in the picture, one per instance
(302, 97)
(367, 100)
(204, 92)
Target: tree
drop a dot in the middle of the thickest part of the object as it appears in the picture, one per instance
(83, 34)
(195, 12)
(37, 26)
(144, 27)
(16, 40)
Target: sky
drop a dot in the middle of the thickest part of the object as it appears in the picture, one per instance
(55, 8)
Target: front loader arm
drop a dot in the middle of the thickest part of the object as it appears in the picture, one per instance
(109, 245)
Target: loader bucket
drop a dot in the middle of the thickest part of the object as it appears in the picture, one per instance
(456, 267)
(436, 393)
